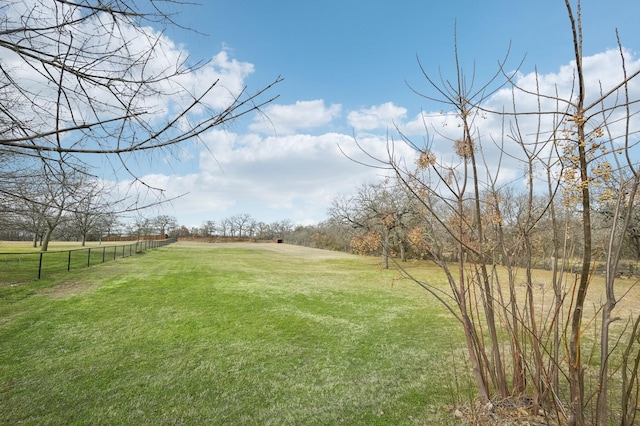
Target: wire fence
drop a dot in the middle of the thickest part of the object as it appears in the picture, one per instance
(29, 266)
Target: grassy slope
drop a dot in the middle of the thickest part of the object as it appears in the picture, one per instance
(225, 335)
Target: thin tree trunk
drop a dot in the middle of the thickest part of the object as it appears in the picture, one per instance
(557, 289)
(485, 284)
(629, 365)
(576, 372)
(45, 241)
(519, 382)
(472, 348)
(385, 249)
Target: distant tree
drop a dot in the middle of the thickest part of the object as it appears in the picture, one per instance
(282, 228)
(91, 211)
(225, 227)
(241, 224)
(380, 212)
(112, 226)
(330, 234)
(142, 226)
(184, 232)
(165, 224)
(209, 228)
(263, 231)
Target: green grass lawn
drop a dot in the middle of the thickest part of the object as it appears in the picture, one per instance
(21, 262)
(224, 334)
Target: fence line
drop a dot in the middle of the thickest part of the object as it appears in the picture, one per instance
(28, 266)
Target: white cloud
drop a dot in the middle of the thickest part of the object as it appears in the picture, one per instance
(272, 178)
(231, 74)
(301, 116)
(383, 116)
(295, 176)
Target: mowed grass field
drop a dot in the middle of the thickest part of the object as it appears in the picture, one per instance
(27, 247)
(21, 262)
(224, 334)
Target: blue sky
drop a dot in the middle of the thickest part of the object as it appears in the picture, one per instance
(360, 53)
(346, 65)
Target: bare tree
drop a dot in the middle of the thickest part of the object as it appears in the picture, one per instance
(92, 209)
(225, 227)
(43, 200)
(142, 226)
(380, 211)
(242, 224)
(100, 77)
(209, 228)
(262, 231)
(282, 228)
(165, 224)
(572, 145)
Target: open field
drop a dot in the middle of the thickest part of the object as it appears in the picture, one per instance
(20, 262)
(27, 246)
(227, 334)
(238, 333)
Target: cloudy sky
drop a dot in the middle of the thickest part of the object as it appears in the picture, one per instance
(348, 69)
